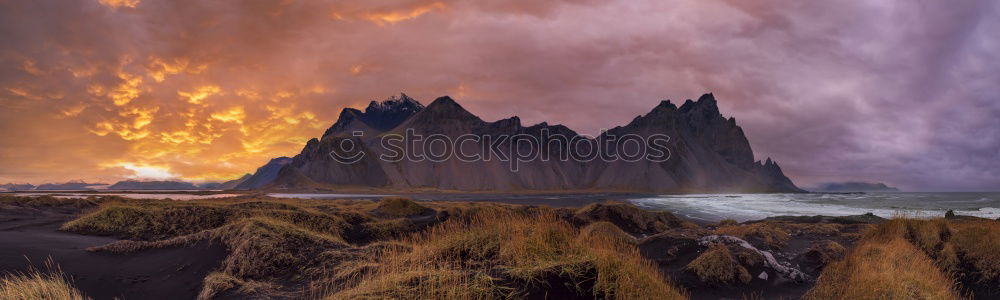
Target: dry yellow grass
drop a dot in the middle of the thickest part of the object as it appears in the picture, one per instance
(979, 244)
(770, 233)
(149, 220)
(717, 266)
(928, 235)
(594, 232)
(826, 251)
(510, 255)
(899, 259)
(261, 248)
(216, 283)
(35, 285)
(399, 207)
(892, 269)
(950, 243)
(629, 218)
(51, 201)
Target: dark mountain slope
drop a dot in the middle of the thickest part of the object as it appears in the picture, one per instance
(708, 153)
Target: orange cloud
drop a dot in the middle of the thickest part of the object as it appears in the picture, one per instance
(23, 93)
(119, 3)
(74, 110)
(232, 115)
(123, 130)
(397, 15)
(30, 67)
(127, 90)
(159, 68)
(197, 96)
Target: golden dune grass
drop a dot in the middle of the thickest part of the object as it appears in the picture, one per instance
(399, 207)
(899, 259)
(893, 269)
(718, 266)
(35, 285)
(770, 233)
(979, 244)
(509, 255)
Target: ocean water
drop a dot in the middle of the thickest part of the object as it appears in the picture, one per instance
(744, 207)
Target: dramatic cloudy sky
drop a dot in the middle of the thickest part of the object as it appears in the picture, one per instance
(905, 92)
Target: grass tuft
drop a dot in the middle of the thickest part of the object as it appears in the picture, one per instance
(601, 231)
(36, 285)
(771, 234)
(629, 218)
(399, 207)
(717, 266)
(141, 222)
(979, 244)
(825, 252)
(497, 254)
(264, 248)
(893, 269)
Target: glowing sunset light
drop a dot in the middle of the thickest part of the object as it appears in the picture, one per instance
(396, 16)
(218, 88)
(148, 172)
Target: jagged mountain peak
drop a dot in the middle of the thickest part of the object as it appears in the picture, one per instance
(665, 105)
(514, 121)
(446, 108)
(379, 115)
(393, 103)
(706, 107)
(706, 103)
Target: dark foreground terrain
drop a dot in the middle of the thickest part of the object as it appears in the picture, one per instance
(254, 247)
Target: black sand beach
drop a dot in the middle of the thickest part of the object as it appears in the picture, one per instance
(30, 237)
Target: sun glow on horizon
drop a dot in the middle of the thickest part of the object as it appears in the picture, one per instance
(148, 172)
(119, 3)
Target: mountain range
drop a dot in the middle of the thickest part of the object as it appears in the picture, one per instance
(17, 187)
(69, 186)
(153, 185)
(854, 186)
(708, 153)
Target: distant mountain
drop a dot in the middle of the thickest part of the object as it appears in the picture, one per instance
(854, 186)
(13, 187)
(264, 175)
(709, 153)
(69, 186)
(153, 185)
(208, 185)
(229, 185)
